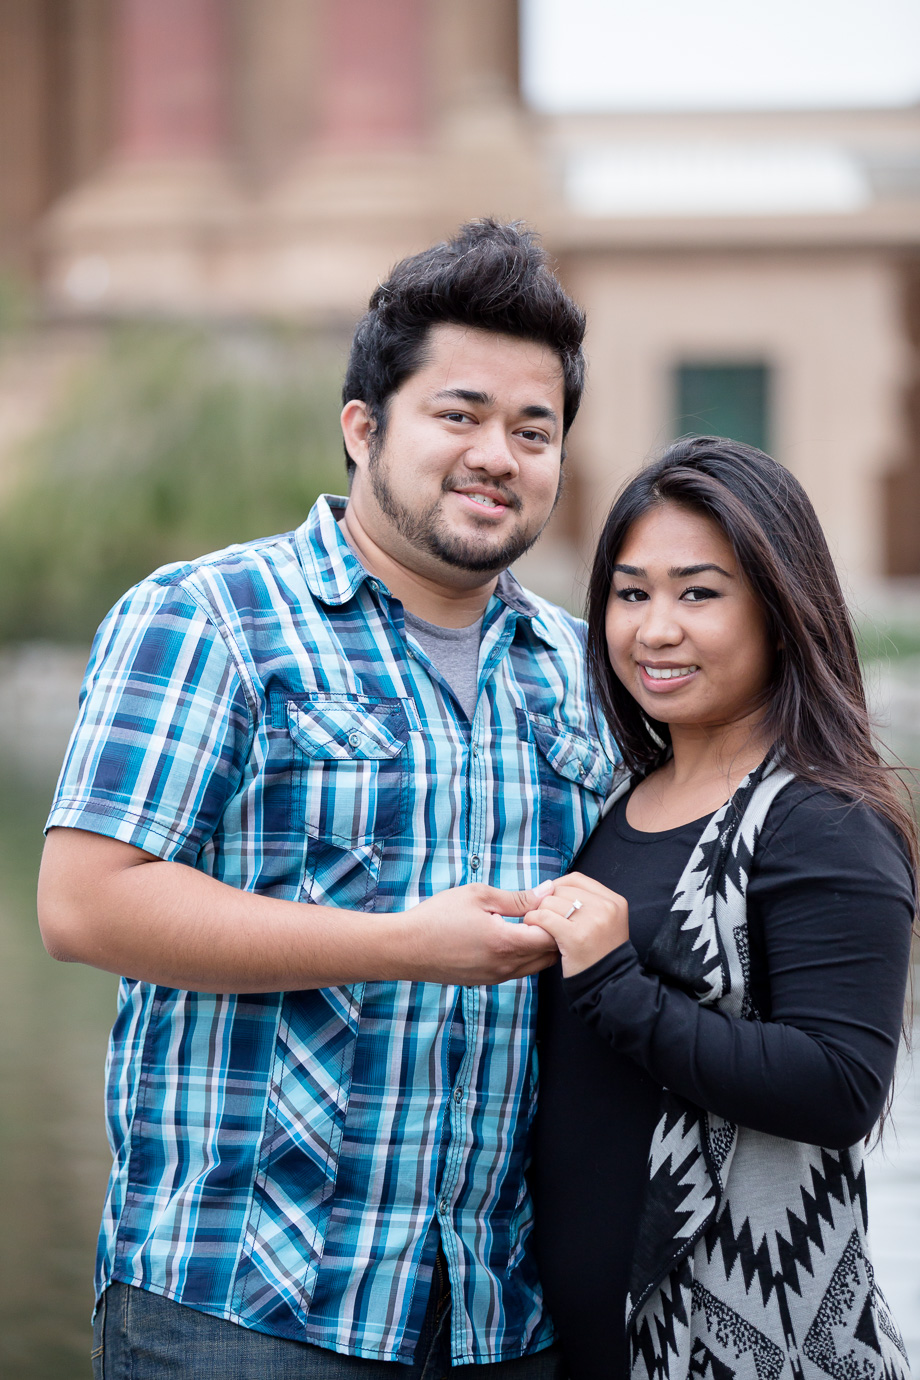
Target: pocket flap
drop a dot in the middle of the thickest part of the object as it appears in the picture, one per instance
(346, 731)
(571, 754)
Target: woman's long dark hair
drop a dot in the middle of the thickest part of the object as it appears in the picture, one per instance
(816, 705)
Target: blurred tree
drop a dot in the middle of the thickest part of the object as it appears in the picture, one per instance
(174, 443)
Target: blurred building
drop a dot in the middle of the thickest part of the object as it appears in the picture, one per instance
(752, 274)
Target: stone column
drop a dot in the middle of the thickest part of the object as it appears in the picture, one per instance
(172, 68)
(375, 61)
(151, 231)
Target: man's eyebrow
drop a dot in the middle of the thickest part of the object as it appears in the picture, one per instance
(534, 411)
(676, 572)
(539, 412)
(469, 395)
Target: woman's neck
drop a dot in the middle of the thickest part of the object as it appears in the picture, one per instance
(706, 768)
(724, 753)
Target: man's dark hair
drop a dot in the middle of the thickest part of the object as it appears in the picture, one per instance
(489, 276)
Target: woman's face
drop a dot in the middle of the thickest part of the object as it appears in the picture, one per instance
(685, 634)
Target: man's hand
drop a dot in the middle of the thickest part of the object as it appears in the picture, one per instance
(586, 919)
(116, 907)
(462, 937)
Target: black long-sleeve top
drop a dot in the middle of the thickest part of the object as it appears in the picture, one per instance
(830, 905)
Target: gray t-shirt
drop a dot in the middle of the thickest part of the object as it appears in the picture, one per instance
(455, 652)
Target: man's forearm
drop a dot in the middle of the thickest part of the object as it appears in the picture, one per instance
(114, 907)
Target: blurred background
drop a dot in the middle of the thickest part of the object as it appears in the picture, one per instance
(196, 199)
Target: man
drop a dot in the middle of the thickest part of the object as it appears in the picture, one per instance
(311, 779)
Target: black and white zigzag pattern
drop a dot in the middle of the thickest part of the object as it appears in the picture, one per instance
(751, 1259)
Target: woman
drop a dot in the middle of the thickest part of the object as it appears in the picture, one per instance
(734, 947)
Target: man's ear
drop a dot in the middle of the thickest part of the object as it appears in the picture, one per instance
(357, 429)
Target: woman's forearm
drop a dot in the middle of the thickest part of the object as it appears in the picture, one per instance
(809, 1085)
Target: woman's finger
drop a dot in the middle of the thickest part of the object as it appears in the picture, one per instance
(576, 883)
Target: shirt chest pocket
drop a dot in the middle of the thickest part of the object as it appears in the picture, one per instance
(352, 766)
(574, 776)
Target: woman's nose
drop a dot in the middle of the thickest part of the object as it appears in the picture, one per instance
(658, 626)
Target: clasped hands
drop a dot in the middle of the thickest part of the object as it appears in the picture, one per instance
(462, 935)
(586, 919)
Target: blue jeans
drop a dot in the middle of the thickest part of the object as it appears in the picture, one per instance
(142, 1336)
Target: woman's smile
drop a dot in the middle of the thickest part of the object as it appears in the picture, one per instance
(665, 676)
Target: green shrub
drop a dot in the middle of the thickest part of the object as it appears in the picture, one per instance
(175, 442)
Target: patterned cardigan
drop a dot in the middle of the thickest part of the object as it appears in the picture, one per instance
(750, 1260)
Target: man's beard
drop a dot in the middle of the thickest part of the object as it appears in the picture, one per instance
(426, 531)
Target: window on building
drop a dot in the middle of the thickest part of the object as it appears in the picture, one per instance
(723, 400)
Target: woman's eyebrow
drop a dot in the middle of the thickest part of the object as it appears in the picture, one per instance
(676, 572)
(680, 572)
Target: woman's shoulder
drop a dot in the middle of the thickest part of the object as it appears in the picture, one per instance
(812, 828)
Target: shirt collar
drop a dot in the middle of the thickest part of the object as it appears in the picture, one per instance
(510, 592)
(332, 570)
(334, 574)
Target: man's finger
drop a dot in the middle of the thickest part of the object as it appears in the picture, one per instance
(517, 902)
(545, 920)
(531, 938)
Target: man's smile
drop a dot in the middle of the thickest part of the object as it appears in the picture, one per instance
(487, 499)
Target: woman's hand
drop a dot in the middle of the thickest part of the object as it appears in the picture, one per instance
(598, 924)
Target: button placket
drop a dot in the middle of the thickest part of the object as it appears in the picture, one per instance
(458, 1149)
(476, 781)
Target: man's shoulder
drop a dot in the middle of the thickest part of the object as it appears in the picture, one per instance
(242, 559)
(237, 590)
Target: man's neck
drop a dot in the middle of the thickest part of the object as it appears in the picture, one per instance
(424, 593)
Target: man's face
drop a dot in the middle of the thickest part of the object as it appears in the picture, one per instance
(468, 470)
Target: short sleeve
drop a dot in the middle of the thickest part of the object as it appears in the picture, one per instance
(163, 730)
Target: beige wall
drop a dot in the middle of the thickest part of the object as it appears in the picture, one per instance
(826, 323)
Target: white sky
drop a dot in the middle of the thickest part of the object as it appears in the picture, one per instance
(717, 54)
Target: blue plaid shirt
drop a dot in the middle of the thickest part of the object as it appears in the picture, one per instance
(289, 1160)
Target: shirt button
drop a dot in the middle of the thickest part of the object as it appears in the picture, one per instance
(354, 739)
(474, 862)
(442, 1205)
(475, 749)
(458, 1094)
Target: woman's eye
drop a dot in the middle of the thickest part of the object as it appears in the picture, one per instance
(697, 593)
(631, 595)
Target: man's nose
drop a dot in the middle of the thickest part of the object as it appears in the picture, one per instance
(492, 451)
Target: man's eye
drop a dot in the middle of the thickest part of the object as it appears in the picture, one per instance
(456, 416)
(530, 435)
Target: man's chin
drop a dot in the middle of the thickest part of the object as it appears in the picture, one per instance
(480, 557)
